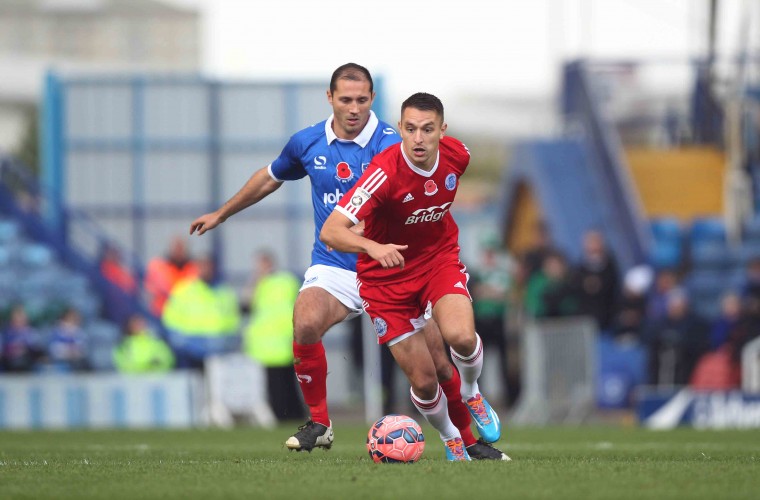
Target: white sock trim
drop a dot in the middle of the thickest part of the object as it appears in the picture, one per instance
(477, 352)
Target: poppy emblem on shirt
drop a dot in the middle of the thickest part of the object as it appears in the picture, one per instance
(430, 187)
(343, 172)
(451, 182)
(381, 327)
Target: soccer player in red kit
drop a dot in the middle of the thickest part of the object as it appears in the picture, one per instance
(408, 268)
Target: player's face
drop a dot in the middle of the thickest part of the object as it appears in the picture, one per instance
(351, 103)
(421, 132)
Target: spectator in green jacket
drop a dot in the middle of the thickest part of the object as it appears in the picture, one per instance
(140, 351)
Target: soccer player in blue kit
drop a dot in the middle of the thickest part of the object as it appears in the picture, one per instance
(333, 154)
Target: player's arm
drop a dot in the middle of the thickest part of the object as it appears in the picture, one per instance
(336, 232)
(258, 187)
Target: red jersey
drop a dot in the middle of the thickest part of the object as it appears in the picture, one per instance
(405, 205)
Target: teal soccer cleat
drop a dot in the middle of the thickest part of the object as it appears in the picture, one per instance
(455, 450)
(486, 420)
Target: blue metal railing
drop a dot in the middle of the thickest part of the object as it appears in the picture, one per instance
(625, 223)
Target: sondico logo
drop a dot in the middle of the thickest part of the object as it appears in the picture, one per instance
(432, 214)
(319, 163)
(332, 198)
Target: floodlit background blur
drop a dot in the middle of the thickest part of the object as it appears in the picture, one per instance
(609, 215)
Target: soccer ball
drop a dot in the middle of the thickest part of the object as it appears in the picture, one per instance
(395, 438)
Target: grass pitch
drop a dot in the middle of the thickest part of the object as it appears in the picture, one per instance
(253, 464)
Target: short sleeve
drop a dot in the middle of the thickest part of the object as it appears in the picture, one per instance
(288, 166)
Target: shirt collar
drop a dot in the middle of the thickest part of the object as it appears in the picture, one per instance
(424, 173)
(362, 139)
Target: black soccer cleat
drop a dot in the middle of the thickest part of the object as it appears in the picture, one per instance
(486, 451)
(309, 436)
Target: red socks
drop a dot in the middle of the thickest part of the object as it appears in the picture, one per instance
(310, 364)
(458, 412)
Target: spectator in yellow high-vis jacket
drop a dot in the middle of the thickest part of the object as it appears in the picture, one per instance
(140, 351)
(269, 336)
(202, 317)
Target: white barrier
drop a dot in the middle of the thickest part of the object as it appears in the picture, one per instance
(236, 387)
(111, 400)
(751, 367)
(558, 371)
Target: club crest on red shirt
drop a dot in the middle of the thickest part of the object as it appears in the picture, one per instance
(430, 187)
(343, 172)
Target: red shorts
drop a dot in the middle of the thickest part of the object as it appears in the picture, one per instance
(401, 309)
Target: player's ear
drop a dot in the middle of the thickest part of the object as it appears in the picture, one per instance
(329, 97)
(443, 128)
(372, 98)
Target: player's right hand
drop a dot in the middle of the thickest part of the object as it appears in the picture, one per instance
(205, 223)
(388, 255)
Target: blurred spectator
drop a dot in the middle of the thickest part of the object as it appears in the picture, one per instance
(751, 288)
(548, 291)
(269, 336)
(490, 286)
(676, 342)
(720, 369)
(67, 350)
(140, 351)
(727, 321)
(20, 342)
(596, 280)
(112, 269)
(540, 248)
(559, 297)
(746, 330)
(629, 320)
(165, 272)
(202, 317)
(666, 281)
(119, 302)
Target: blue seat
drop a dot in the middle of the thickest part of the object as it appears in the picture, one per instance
(35, 256)
(752, 228)
(666, 255)
(707, 281)
(666, 228)
(707, 231)
(748, 251)
(6, 256)
(620, 368)
(712, 256)
(9, 231)
(668, 241)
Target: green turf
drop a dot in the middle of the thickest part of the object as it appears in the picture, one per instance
(252, 463)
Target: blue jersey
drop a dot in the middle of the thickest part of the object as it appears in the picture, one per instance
(334, 165)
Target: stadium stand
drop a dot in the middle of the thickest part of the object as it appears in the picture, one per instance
(44, 275)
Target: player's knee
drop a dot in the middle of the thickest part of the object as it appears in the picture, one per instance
(425, 386)
(463, 343)
(306, 332)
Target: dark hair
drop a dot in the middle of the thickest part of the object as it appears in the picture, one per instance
(353, 72)
(423, 102)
